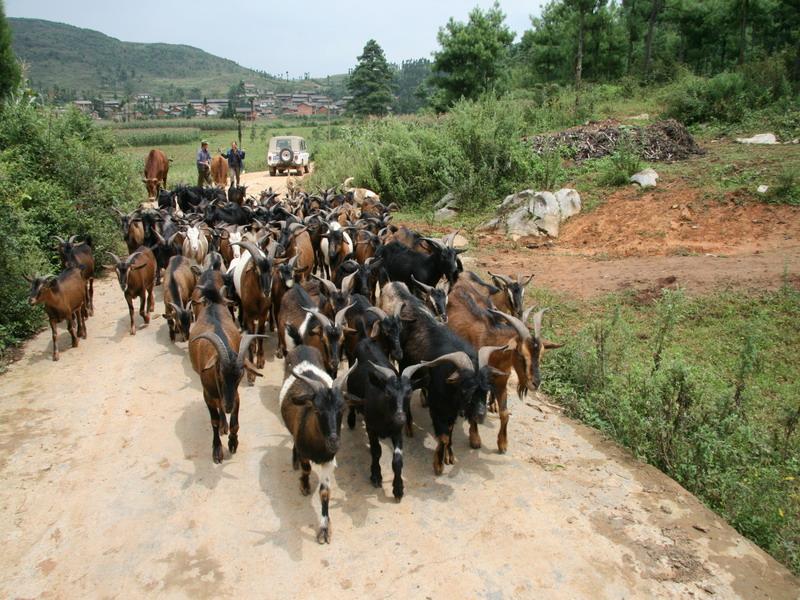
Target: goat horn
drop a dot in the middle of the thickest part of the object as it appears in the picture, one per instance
(114, 256)
(378, 312)
(347, 283)
(537, 323)
(316, 386)
(386, 372)
(527, 281)
(485, 353)
(504, 278)
(427, 288)
(293, 260)
(272, 250)
(254, 250)
(460, 359)
(435, 242)
(72, 239)
(244, 344)
(222, 350)
(398, 309)
(340, 381)
(60, 239)
(409, 371)
(328, 284)
(325, 321)
(518, 325)
(450, 238)
(177, 308)
(339, 320)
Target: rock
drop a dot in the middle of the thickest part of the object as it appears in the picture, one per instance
(569, 202)
(448, 201)
(686, 214)
(761, 138)
(641, 117)
(762, 189)
(645, 178)
(460, 241)
(529, 213)
(445, 214)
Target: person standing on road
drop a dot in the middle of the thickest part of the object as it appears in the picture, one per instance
(203, 165)
(235, 161)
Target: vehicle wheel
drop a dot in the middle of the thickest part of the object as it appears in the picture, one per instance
(272, 171)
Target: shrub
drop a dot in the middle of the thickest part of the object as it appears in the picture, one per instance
(60, 176)
(617, 168)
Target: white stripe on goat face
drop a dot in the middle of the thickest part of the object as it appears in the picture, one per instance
(193, 235)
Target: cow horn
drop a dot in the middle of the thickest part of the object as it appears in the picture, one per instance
(385, 372)
(460, 359)
(340, 381)
(485, 353)
(426, 288)
(519, 326)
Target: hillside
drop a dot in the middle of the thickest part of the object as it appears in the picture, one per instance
(83, 60)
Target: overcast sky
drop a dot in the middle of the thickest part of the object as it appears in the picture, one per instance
(322, 37)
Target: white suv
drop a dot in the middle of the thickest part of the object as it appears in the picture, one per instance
(286, 153)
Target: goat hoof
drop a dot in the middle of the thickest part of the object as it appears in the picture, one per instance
(233, 444)
(324, 535)
(398, 493)
(55, 357)
(376, 480)
(305, 489)
(260, 362)
(217, 454)
(75, 344)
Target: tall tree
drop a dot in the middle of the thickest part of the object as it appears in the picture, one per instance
(411, 91)
(473, 57)
(655, 9)
(583, 9)
(10, 73)
(371, 83)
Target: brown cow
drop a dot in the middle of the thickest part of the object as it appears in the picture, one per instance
(219, 170)
(156, 167)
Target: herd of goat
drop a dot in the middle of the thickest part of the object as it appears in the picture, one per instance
(335, 278)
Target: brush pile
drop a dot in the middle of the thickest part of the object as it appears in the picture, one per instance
(662, 141)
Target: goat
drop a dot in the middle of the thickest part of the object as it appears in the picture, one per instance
(334, 247)
(296, 241)
(315, 329)
(63, 297)
(436, 296)
(218, 355)
(195, 246)
(252, 278)
(179, 282)
(510, 297)
(401, 263)
(80, 255)
(458, 379)
(137, 277)
(312, 405)
(384, 398)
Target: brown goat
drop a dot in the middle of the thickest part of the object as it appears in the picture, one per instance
(80, 255)
(218, 355)
(137, 277)
(63, 297)
(511, 296)
(179, 282)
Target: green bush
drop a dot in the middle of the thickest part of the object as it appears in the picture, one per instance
(706, 390)
(617, 168)
(159, 137)
(60, 176)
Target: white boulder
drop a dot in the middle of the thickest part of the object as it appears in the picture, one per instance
(761, 138)
(645, 178)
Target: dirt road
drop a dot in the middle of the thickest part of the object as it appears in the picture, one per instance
(108, 490)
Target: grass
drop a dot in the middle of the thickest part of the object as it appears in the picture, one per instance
(704, 388)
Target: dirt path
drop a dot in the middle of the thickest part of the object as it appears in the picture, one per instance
(108, 490)
(256, 181)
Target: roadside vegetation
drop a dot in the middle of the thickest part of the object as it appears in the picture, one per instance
(703, 388)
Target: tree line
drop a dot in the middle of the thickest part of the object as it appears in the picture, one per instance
(578, 41)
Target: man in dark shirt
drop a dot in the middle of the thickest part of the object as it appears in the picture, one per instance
(235, 161)
(203, 165)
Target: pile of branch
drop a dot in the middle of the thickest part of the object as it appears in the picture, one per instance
(662, 141)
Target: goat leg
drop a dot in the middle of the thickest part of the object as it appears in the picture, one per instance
(351, 418)
(233, 436)
(397, 466)
(439, 454)
(262, 330)
(474, 436)
(305, 486)
(502, 435)
(54, 328)
(130, 311)
(216, 443)
(325, 471)
(375, 468)
(450, 458)
(91, 296)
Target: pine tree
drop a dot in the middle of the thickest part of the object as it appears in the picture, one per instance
(10, 73)
(371, 83)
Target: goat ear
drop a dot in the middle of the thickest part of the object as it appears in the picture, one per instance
(353, 400)
(212, 362)
(376, 329)
(137, 267)
(454, 377)
(550, 345)
(197, 270)
(511, 344)
(303, 400)
(408, 319)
